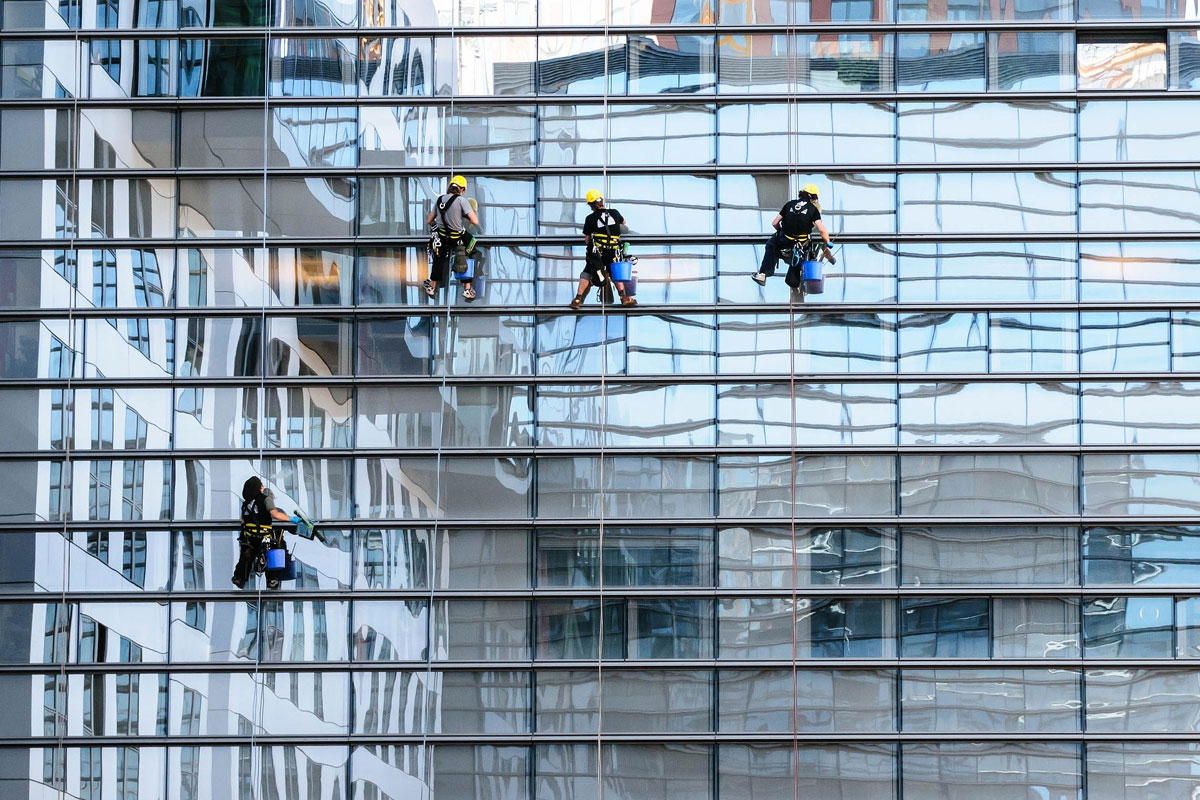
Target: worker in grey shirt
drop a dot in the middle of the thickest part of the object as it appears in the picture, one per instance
(449, 237)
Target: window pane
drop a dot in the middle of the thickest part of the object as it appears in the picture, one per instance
(988, 201)
(658, 701)
(1150, 483)
(1142, 412)
(480, 772)
(632, 557)
(222, 67)
(1033, 342)
(989, 413)
(1124, 341)
(1118, 66)
(1142, 700)
(940, 62)
(309, 345)
(634, 487)
(943, 342)
(1035, 627)
(827, 133)
(662, 64)
(990, 701)
(1185, 59)
(1136, 130)
(395, 346)
(944, 628)
(1151, 554)
(222, 207)
(823, 414)
(1031, 62)
(848, 771)
(850, 203)
(1147, 201)
(1138, 271)
(113, 137)
(395, 66)
(829, 700)
(825, 486)
(1013, 769)
(977, 555)
(390, 630)
(949, 132)
(811, 63)
(984, 485)
(480, 630)
(655, 772)
(1126, 769)
(761, 558)
(313, 67)
(1128, 627)
(1107, 9)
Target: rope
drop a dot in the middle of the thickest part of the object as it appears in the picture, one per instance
(66, 476)
(437, 486)
(603, 426)
(258, 700)
(793, 107)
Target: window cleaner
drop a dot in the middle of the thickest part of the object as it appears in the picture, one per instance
(605, 253)
(793, 239)
(448, 238)
(261, 547)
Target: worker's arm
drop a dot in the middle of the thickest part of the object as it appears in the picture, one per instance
(279, 516)
(472, 218)
(429, 219)
(824, 233)
(775, 223)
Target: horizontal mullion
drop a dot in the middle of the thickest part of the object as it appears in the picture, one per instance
(594, 593)
(720, 99)
(573, 239)
(449, 32)
(546, 665)
(530, 739)
(679, 310)
(534, 171)
(540, 523)
(610, 380)
(594, 451)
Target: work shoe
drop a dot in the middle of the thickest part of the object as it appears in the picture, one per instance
(577, 302)
(428, 287)
(626, 300)
(237, 583)
(468, 293)
(760, 278)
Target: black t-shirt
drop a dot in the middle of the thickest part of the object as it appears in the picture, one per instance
(258, 509)
(799, 217)
(606, 221)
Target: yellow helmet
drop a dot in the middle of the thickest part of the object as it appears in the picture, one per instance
(593, 196)
(811, 189)
(459, 181)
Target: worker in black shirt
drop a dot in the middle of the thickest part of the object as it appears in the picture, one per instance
(257, 534)
(793, 227)
(602, 235)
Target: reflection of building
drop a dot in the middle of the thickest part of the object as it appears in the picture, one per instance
(930, 534)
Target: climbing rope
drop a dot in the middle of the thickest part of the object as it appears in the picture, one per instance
(793, 107)
(258, 698)
(603, 338)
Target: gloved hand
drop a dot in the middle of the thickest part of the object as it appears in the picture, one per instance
(295, 520)
(829, 253)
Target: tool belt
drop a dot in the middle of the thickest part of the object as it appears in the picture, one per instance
(253, 529)
(440, 236)
(606, 241)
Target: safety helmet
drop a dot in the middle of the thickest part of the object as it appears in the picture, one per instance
(810, 189)
(593, 196)
(459, 181)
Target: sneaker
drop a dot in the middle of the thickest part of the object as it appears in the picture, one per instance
(760, 278)
(428, 287)
(468, 293)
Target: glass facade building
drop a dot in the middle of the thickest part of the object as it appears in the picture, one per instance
(930, 535)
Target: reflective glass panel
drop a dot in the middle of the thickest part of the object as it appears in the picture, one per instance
(1129, 627)
(1185, 59)
(818, 486)
(1126, 769)
(1150, 554)
(990, 700)
(940, 62)
(822, 414)
(762, 557)
(988, 201)
(977, 555)
(1136, 130)
(1022, 61)
(1138, 271)
(1142, 483)
(810, 63)
(1147, 201)
(989, 413)
(1021, 769)
(992, 484)
(1122, 64)
(949, 132)
(850, 771)
(827, 133)
(1141, 700)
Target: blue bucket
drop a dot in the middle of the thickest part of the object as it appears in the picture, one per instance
(468, 273)
(621, 270)
(814, 278)
(276, 558)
